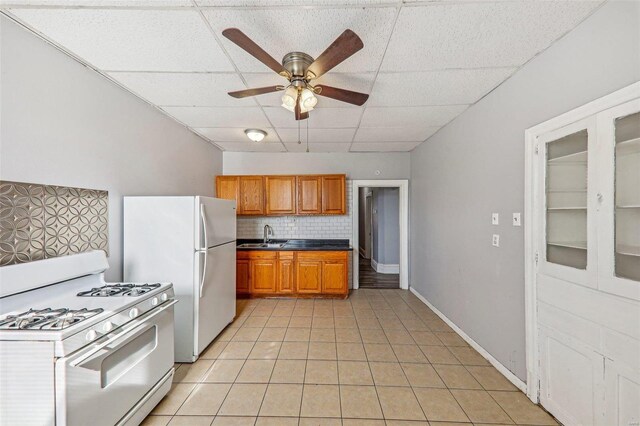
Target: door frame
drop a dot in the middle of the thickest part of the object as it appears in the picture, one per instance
(403, 185)
(531, 227)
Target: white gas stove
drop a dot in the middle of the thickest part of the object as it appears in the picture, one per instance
(76, 344)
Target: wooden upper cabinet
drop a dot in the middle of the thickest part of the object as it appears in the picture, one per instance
(309, 195)
(280, 194)
(251, 195)
(285, 195)
(228, 187)
(333, 195)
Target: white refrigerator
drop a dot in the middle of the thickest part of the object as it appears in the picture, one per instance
(189, 241)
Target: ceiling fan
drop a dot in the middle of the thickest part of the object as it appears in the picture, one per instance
(300, 69)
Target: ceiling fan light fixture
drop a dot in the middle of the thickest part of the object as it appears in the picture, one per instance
(289, 98)
(307, 100)
(256, 135)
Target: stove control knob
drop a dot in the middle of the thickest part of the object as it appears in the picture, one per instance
(164, 297)
(154, 301)
(134, 313)
(108, 326)
(92, 335)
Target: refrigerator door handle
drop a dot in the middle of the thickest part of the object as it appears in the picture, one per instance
(204, 227)
(204, 271)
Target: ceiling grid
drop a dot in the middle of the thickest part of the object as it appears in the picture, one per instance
(423, 62)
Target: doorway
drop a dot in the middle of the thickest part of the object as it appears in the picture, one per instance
(380, 235)
(379, 242)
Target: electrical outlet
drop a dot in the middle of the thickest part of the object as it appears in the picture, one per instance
(516, 219)
(496, 240)
(495, 218)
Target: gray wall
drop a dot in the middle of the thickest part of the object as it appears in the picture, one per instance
(362, 214)
(386, 226)
(474, 166)
(355, 165)
(63, 124)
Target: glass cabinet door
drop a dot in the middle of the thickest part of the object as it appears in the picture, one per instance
(627, 197)
(566, 200)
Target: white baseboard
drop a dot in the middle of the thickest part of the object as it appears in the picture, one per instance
(497, 364)
(385, 268)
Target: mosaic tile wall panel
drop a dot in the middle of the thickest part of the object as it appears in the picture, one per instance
(42, 221)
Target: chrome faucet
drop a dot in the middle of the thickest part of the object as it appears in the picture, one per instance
(268, 232)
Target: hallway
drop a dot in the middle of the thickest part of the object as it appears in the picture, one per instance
(369, 278)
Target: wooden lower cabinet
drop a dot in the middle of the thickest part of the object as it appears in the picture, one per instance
(288, 273)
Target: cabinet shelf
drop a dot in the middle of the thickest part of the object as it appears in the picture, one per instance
(628, 250)
(573, 158)
(628, 147)
(555, 209)
(581, 245)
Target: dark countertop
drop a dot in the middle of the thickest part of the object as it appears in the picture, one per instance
(299, 245)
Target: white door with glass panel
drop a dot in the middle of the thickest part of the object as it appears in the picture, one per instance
(587, 213)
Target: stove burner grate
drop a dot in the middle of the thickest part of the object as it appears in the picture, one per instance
(46, 319)
(119, 290)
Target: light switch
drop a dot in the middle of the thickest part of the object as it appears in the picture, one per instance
(496, 240)
(516, 219)
(495, 218)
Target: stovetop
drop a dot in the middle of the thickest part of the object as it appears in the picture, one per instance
(123, 289)
(46, 319)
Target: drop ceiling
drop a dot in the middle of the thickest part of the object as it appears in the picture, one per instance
(423, 62)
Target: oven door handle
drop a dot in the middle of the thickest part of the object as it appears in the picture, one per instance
(131, 332)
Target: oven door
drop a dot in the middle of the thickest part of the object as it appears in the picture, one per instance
(99, 384)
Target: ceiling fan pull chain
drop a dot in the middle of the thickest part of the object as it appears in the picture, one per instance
(299, 141)
(308, 134)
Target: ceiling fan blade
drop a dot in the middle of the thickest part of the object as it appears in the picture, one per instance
(240, 38)
(344, 46)
(254, 92)
(355, 98)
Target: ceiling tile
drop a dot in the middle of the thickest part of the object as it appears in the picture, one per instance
(482, 34)
(318, 118)
(384, 147)
(131, 40)
(436, 87)
(248, 117)
(97, 3)
(221, 134)
(424, 116)
(311, 30)
(183, 89)
(252, 146)
(318, 147)
(351, 81)
(317, 135)
(394, 134)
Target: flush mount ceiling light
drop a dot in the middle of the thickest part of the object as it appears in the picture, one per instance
(255, 135)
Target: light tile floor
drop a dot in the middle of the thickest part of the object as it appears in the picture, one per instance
(380, 357)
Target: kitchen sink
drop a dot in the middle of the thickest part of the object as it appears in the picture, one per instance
(262, 245)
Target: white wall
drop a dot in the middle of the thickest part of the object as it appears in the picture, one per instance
(475, 166)
(386, 226)
(355, 165)
(63, 124)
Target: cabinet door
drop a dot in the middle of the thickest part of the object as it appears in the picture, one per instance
(309, 276)
(263, 276)
(335, 277)
(251, 195)
(227, 187)
(280, 194)
(285, 272)
(309, 195)
(242, 276)
(333, 195)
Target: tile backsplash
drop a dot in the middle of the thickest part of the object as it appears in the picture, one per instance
(308, 227)
(43, 221)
